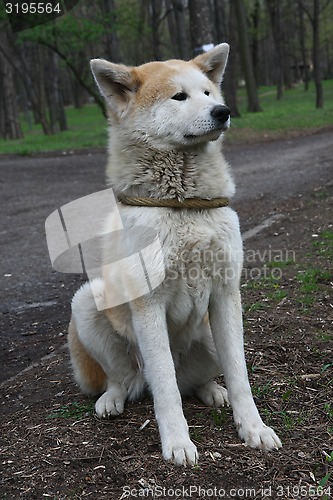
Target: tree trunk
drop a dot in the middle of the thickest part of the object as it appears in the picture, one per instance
(10, 127)
(52, 89)
(302, 34)
(112, 41)
(274, 9)
(172, 29)
(42, 108)
(230, 78)
(55, 98)
(255, 39)
(154, 15)
(245, 53)
(220, 21)
(201, 24)
(182, 35)
(316, 55)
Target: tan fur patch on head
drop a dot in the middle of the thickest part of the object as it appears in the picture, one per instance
(156, 81)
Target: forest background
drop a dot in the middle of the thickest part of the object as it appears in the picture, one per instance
(45, 74)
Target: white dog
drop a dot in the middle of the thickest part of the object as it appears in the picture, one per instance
(167, 121)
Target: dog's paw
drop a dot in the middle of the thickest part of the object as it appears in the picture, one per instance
(213, 394)
(182, 453)
(259, 435)
(111, 403)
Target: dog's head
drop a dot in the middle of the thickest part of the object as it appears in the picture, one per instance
(166, 104)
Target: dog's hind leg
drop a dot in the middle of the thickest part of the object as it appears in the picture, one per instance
(87, 372)
(103, 361)
(196, 371)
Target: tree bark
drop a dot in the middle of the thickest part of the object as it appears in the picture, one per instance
(245, 53)
(302, 34)
(154, 15)
(316, 55)
(314, 19)
(230, 78)
(54, 96)
(201, 24)
(274, 9)
(181, 25)
(220, 21)
(255, 38)
(112, 41)
(10, 127)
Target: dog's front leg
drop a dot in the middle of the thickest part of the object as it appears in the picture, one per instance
(149, 322)
(225, 315)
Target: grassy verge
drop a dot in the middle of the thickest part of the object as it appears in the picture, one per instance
(295, 114)
(87, 129)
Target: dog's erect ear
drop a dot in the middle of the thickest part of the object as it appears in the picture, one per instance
(116, 82)
(213, 62)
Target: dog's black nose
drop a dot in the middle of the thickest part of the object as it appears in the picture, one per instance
(220, 112)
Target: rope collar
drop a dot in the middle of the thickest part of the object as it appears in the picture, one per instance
(195, 203)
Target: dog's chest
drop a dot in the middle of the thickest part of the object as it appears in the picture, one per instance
(197, 246)
(200, 252)
(199, 249)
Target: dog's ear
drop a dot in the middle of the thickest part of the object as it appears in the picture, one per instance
(213, 62)
(116, 82)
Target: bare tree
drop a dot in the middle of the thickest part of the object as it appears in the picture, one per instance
(201, 23)
(112, 41)
(314, 17)
(179, 9)
(316, 54)
(274, 9)
(226, 25)
(155, 13)
(305, 74)
(10, 127)
(54, 95)
(246, 60)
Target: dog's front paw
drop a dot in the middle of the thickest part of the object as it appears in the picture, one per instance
(111, 403)
(213, 394)
(259, 435)
(182, 452)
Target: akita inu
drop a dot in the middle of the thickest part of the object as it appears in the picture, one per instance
(167, 120)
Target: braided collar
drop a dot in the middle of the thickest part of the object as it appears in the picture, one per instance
(194, 203)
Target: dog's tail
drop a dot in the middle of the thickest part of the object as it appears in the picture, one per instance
(87, 372)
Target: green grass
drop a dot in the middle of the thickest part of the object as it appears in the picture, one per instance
(73, 410)
(87, 129)
(220, 417)
(294, 113)
(324, 245)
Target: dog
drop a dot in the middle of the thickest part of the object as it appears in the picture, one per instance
(167, 122)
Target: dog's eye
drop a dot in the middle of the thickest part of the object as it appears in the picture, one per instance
(180, 96)
(207, 92)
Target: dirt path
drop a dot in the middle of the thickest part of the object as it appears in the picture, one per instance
(53, 447)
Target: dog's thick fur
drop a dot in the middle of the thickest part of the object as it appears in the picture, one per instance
(167, 120)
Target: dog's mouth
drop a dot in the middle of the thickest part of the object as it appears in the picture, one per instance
(215, 133)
